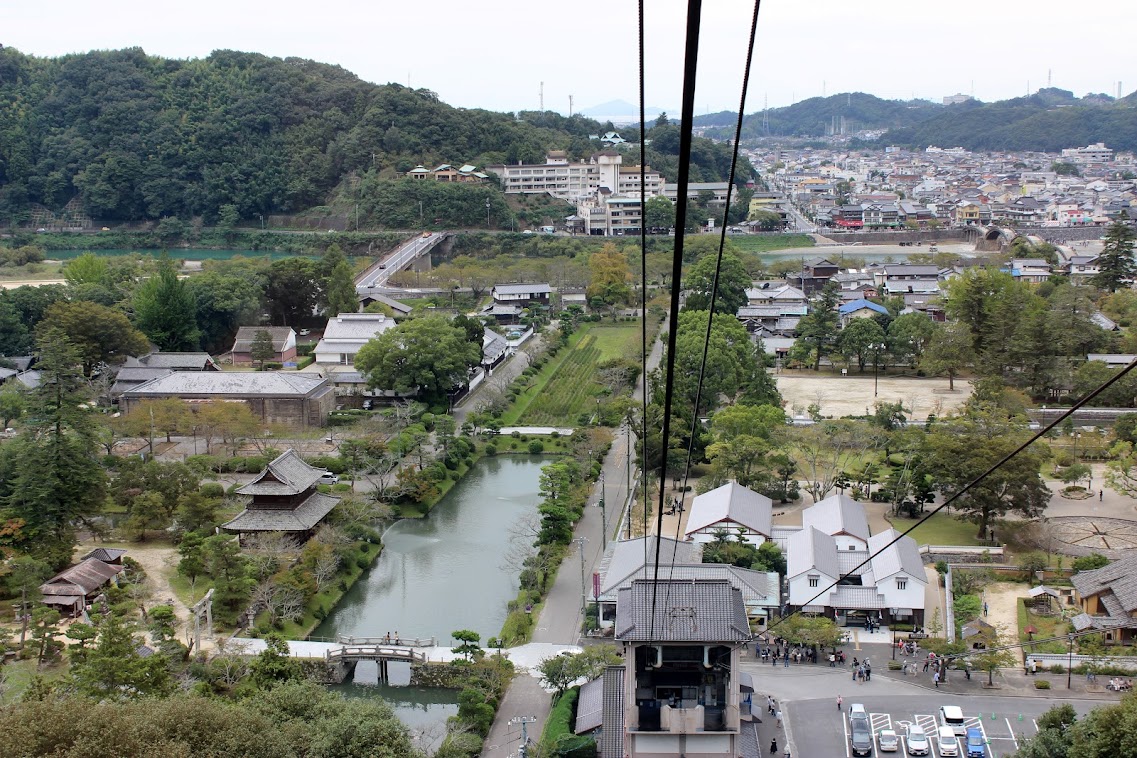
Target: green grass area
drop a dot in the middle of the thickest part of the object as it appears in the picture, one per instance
(762, 243)
(559, 725)
(1047, 626)
(621, 340)
(20, 673)
(940, 529)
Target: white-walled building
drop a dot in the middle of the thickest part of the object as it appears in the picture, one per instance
(346, 334)
(576, 181)
(842, 518)
(732, 508)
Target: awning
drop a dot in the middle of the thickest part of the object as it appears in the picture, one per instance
(745, 682)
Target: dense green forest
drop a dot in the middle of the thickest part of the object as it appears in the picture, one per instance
(137, 137)
(1048, 121)
(813, 117)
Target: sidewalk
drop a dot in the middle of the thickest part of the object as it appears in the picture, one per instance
(1008, 682)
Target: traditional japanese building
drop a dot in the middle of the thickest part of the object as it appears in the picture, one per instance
(284, 499)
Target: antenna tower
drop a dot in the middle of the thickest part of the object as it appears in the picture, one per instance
(542, 97)
(570, 106)
(766, 111)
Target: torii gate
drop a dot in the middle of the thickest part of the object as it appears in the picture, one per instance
(200, 608)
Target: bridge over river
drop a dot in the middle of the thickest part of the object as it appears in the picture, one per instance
(375, 277)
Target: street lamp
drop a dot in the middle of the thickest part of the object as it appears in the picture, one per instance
(876, 350)
(487, 213)
(1069, 658)
(603, 510)
(580, 541)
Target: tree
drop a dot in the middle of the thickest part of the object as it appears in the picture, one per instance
(112, 669)
(908, 337)
(733, 280)
(45, 621)
(230, 421)
(15, 339)
(222, 559)
(467, 644)
(994, 656)
(426, 354)
(290, 290)
(733, 366)
(861, 340)
(958, 450)
(560, 671)
(165, 310)
(828, 449)
(817, 332)
(340, 289)
(659, 215)
(608, 276)
(274, 664)
(98, 333)
(55, 476)
(168, 416)
(1116, 267)
(948, 352)
(261, 349)
(12, 404)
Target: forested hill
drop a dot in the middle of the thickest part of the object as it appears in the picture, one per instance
(138, 137)
(815, 116)
(1049, 120)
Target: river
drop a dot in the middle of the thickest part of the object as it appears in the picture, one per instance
(439, 574)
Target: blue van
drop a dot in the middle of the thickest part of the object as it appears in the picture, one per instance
(975, 745)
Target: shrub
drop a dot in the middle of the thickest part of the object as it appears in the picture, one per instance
(1041, 684)
(491, 449)
(536, 447)
(1090, 562)
(306, 361)
(212, 490)
(1057, 668)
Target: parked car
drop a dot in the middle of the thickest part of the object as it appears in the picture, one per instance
(860, 730)
(976, 745)
(952, 716)
(916, 742)
(329, 478)
(947, 744)
(888, 741)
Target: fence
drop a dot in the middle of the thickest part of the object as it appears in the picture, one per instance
(1064, 659)
(961, 550)
(949, 607)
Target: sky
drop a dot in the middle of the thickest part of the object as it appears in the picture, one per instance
(496, 55)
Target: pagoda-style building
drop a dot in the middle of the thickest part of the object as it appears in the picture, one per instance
(284, 500)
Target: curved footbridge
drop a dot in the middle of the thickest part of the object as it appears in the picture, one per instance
(344, 653)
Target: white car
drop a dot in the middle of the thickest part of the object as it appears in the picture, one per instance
(329, 478)
(952, 716)
(887, 741)
(947, 744)
(916, 741)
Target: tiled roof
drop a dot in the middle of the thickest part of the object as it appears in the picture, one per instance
(734, 502)
(758, 588)
(812, 549)
(1119, 576)
(625, 557)
(287, 474)
(857, 305)
(356, 326)
(301, 519)
(80, 580)
(902, 556)
(522, 289)
(849, 562)
(684, 611)
(246, 334)
(173, 361)
(837, 514)
(612, 732)
(856, 598)
(222, 383)
(105, 554)
(590, 707)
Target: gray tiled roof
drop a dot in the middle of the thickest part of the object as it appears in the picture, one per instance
(522, 289)
(837, 514)
(734, 502)
(856, 598)
(903, 556)
(301, 519)
(848, 562)
(222, 383)
(758, 588)
(174, 361)
(612, 731)
(684, 611)
(811, 549)
(287, 474)
(590, 706)
(105, 554)
(625, 557)
(246, 334)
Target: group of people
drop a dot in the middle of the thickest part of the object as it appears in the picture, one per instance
(1117, 684)
(862, 670)
(786, 653)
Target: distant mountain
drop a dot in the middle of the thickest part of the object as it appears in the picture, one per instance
(1048, 120)
(819, 116)
(620, 112)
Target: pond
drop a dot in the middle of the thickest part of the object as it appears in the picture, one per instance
(439, 574)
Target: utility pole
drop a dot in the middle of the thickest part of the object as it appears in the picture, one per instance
(525, 721)
(580, 542)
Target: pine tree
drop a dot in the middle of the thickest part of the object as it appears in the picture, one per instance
(261, 349)
(340, 288)
(1116, 267)
(165, 310)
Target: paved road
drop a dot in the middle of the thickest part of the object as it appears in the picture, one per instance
(560, 618)
(396, 261)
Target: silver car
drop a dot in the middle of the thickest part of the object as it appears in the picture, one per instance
(916, 741)
(887, 741)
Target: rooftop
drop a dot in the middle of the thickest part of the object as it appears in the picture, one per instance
(287, 474)
(301, 519)
(225, 383)
(681, 611)
(734, 502)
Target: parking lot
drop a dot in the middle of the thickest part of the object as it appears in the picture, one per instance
(1004, 723)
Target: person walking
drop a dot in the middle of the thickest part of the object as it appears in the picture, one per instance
(1101, 495)
(774, 745)
(770, 705)
(936, 679)
(778, 718)
(786, 658)
(840, 702)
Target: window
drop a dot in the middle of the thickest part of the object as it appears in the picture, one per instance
(813, 581)
(901, 584)
(852, 547)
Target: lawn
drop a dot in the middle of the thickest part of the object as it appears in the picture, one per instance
(762, 243)
(940, 529)
(20, 673)
(1047, 626)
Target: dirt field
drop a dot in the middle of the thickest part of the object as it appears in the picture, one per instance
(1002, 600)
(853, 395)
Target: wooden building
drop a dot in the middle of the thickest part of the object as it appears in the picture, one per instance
(284, 499)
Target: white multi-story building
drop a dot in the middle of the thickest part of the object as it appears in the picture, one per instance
(1095, 153)
(576, 181)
